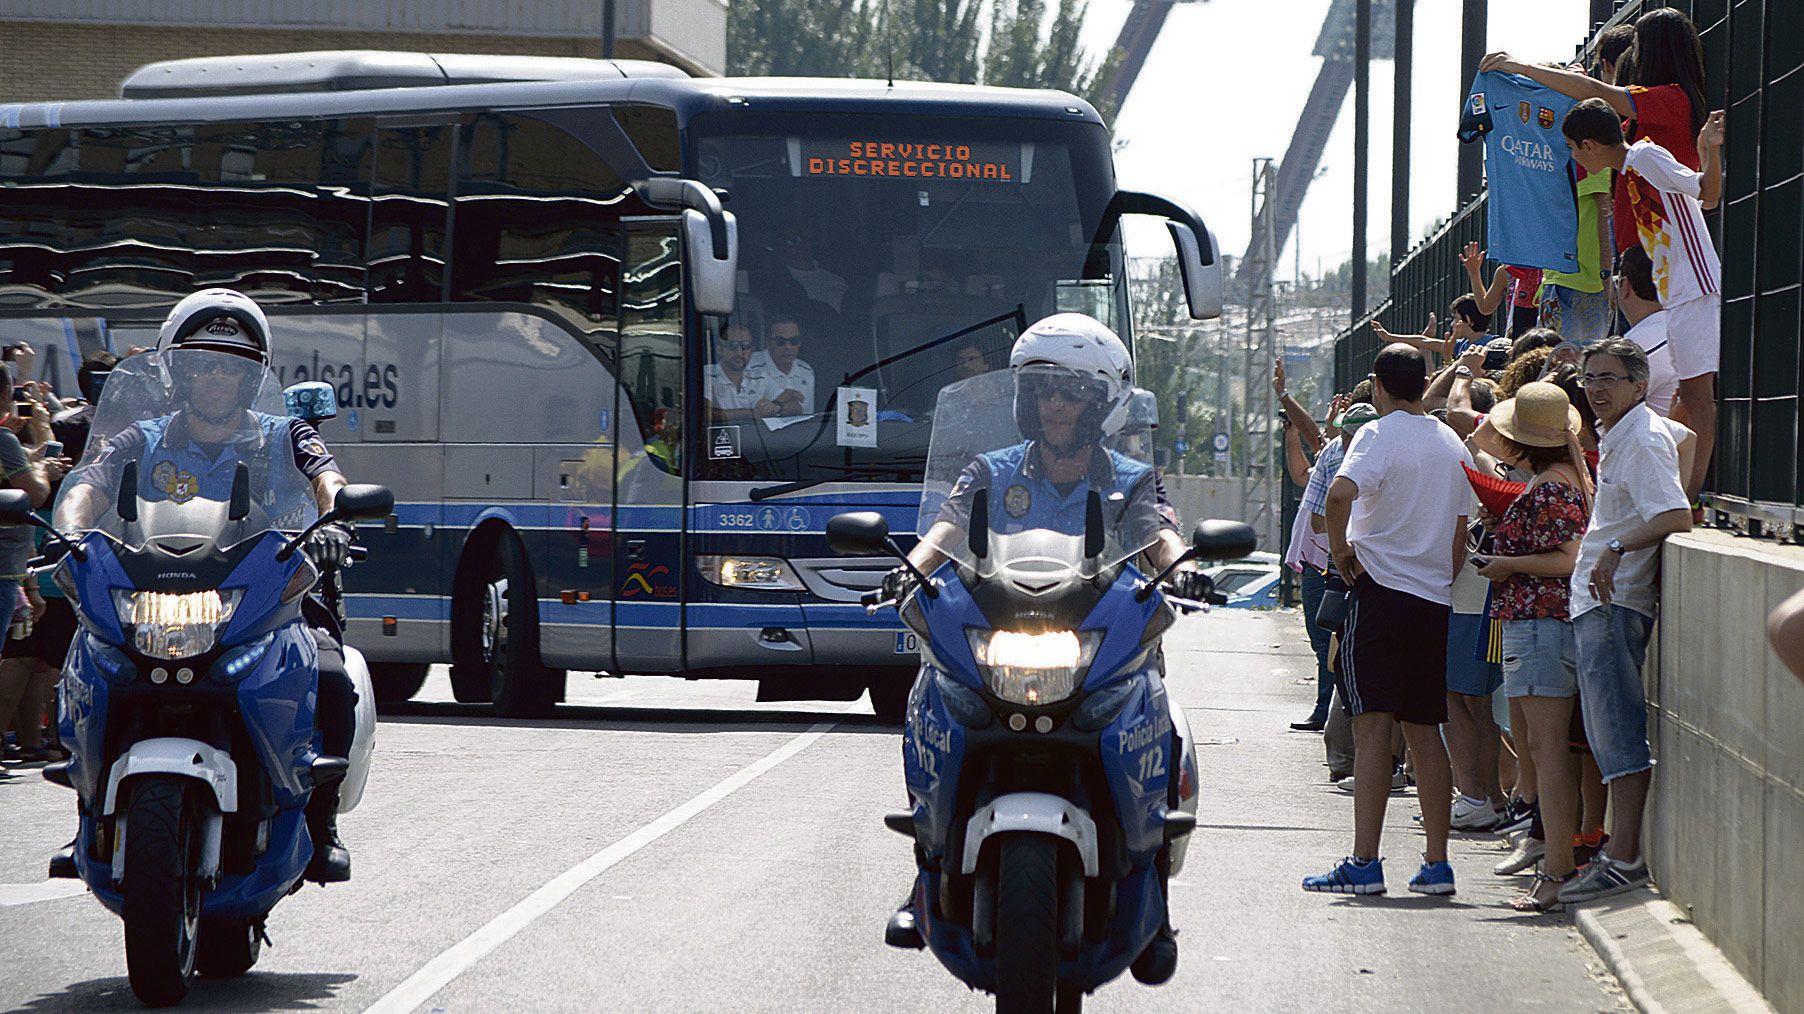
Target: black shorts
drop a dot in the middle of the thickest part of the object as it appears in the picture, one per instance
(1393, 654)
(50, 635)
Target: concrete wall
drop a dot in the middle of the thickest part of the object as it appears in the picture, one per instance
(1197, 497)
(1726, 822)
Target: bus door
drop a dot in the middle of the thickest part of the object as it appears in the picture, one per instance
(648, 545)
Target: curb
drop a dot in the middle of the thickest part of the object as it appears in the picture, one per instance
(1663, 961)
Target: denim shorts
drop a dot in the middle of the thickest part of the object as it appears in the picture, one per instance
(1612, 643)
(1540, 658)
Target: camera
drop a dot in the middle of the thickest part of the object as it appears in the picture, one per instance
(1496, 359)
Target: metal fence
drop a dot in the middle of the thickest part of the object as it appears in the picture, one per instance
(1754, 67)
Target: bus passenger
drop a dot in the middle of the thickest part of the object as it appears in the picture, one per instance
(788, 380)
(734, 393)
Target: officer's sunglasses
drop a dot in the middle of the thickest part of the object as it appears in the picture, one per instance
(1071, 388)
(235, 369)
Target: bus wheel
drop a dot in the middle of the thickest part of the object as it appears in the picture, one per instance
(889, 694)
(495, 646)
(395, 682)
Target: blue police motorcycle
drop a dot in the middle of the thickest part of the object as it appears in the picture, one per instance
(187, 696)
(1052, 782)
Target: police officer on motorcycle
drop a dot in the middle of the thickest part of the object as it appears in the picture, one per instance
(195, 451)
(1073, 385)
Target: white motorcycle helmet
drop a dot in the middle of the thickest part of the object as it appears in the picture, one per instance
(217, 320)
(1082, 347)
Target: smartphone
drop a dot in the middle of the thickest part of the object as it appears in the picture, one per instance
(1480, 562)
(53, 448)
(21, 393)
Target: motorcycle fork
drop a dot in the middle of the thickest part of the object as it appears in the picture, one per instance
(983, 906)
(1071, 903)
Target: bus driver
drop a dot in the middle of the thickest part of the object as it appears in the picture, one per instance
(193, 453)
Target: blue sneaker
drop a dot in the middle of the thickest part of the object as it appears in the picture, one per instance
(1349, 876)
(1433, 878)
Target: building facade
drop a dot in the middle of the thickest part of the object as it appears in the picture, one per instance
(83, 49)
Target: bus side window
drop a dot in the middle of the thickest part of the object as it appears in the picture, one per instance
(538, 222)
(407, 214)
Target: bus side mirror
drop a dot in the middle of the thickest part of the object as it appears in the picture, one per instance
(713, 261)
(1199, 257)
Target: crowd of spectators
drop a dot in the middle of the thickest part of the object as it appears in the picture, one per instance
(1480, 528)
(42, 434)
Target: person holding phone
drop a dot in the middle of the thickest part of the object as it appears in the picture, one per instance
(1536, 544)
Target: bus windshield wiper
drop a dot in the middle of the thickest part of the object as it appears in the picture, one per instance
(766, 492)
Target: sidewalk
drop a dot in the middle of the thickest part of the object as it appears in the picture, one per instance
(1252, 939)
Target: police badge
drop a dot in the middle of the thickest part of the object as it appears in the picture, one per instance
(1017, 501)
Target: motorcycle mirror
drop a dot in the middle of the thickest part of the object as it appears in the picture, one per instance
(858, 533)
(978, 531)
(15, 507)
(125, 504)
(240, 507)
(1093, 532)
(363, 502)
(1223, 540)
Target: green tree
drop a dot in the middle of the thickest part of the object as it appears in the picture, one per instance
(918, 40)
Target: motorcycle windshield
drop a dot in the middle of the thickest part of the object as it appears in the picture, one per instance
(1037, 499)
(206, 435)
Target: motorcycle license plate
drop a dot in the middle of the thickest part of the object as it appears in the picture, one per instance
(906, 643)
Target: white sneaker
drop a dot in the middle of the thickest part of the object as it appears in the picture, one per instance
(1475, 814)
(1527, 854)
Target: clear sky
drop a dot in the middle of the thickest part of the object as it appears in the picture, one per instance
(1227, 80)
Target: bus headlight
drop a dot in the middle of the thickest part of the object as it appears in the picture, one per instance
(763, 573)
(1032, 669)
(175, 625)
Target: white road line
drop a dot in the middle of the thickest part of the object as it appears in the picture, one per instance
(49, 890)
(454, 961)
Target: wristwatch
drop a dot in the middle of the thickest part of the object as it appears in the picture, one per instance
(1462, 371)
(1617, 547)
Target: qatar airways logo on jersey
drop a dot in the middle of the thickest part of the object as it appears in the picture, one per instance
(1530, 154)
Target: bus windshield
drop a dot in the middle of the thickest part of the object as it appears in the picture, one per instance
(882, 258)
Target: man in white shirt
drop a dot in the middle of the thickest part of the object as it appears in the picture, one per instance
(788, 380)
(732, 392)
(1640, 501)
(1397, 532)
(1640, 302)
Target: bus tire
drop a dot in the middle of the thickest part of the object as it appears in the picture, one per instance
(889, 694)
(395, 682)
(495, 635)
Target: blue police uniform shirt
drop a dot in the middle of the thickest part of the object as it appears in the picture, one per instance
(1533, 204)
(172, 466)
(1021, 498)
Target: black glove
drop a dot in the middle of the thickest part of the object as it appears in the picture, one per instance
(330, 546)
(896, 584)
(1191, 584)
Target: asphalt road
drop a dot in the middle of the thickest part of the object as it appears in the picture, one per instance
(663, 845)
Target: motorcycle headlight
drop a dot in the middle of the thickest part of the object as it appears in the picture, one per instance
(110, 662)
(1032, 669)
(175, 625)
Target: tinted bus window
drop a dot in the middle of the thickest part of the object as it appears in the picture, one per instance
(140, 216)
(408, 205)
(537, 221)
(653, 130)
(651, 342)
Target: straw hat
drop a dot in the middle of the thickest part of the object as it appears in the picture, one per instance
(1539, 415)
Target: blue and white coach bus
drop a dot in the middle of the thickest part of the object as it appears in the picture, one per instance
(532, 282)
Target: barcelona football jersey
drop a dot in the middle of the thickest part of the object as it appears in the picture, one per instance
(1532, 211)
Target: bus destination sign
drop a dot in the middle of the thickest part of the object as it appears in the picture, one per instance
(993, 163)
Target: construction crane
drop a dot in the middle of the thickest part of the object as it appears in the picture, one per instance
(1298, 168)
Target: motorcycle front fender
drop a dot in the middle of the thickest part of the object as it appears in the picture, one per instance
(176, 755)
(1035, 813)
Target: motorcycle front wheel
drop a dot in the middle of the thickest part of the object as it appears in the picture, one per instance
(162, 891)
(228, 948)
(1027, 923)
